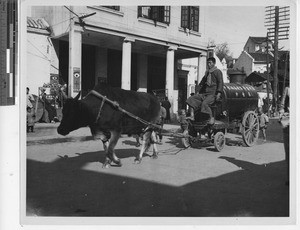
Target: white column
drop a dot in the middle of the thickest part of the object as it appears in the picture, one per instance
(142, 72)
(170, 75)
(201, 67)
(75, 53)
(126, 64)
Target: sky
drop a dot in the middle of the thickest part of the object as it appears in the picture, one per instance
(235, 24)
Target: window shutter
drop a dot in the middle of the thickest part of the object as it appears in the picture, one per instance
(139, 11)
(184, 17)
(167, 14)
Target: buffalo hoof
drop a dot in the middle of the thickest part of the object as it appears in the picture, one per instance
(106, 166)
(154, 156)
(106, 163)
(137, 160)
(118, 163)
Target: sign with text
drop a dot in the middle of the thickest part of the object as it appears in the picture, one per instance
(76, 80)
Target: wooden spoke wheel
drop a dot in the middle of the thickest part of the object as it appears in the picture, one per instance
(250, 128)
(219, 141)
(186, 140)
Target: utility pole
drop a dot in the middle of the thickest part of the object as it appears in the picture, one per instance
(268, 77)
(277, 21)
(285, 70)
(275, 77)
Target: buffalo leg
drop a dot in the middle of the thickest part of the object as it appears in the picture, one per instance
(149, 138)
(154, 141)
(103, 136)
(110, 154)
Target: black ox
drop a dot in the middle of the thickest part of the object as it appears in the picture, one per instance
(106, 122)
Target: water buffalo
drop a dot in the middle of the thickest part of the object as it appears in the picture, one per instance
(107, 122)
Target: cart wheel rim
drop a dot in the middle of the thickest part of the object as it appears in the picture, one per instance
(186, 140)
(219, 141)
(250, 129)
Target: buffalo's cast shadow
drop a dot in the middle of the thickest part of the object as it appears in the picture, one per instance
(98, 156)
(64, 188)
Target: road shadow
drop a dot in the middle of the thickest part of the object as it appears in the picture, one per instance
(98, 156)
(64, 188)
(57, 140)
(176, 141)
(274, 131)
(131, 143)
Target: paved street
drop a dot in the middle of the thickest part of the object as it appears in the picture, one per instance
(65, 177)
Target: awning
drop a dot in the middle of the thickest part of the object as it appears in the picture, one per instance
(258, 77)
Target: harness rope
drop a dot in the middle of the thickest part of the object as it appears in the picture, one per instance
(100, 109)
(117, 106)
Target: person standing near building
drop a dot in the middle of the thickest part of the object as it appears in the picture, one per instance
(49, 111)
(30, 98)
(210, 90)
(30, 111)
(167, 105)
(263, 122)
(161, 120)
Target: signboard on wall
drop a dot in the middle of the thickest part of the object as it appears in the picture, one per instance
(76, 80)
(54, 79)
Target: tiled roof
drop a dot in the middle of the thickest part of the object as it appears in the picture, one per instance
(258, 40)
(261, 57)
(37, 23)
(231, 71)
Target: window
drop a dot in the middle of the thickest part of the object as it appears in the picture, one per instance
(113, 7)
(190, 17)
(257, 47)
(156, 13)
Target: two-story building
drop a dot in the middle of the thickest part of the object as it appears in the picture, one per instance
(254, 56)
(132, 47)
(253, 62)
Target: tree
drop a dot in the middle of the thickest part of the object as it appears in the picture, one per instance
(222, 51)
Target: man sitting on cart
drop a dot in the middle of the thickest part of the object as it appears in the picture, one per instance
(210, 90)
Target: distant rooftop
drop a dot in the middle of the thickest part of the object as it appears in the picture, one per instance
(261, 57)
(258, 40)
(38, 25)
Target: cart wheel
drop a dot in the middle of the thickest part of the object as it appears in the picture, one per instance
(186, 140)
(219, 141)
(250, 128)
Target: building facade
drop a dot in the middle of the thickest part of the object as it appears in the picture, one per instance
(254, 56)
(133, 47)
(41, 58)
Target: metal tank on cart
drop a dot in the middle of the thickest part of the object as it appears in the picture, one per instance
(237, 110)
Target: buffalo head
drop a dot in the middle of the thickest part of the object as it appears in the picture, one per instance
(71, 116)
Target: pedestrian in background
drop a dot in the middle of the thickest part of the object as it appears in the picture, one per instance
(182, 120)
(263, 122)
(49, 111)
(161, 121)
(167, 105)
(30, 120)
(30, 98)
(30, 111)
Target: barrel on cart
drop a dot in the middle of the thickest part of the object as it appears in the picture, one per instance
(236, 111)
